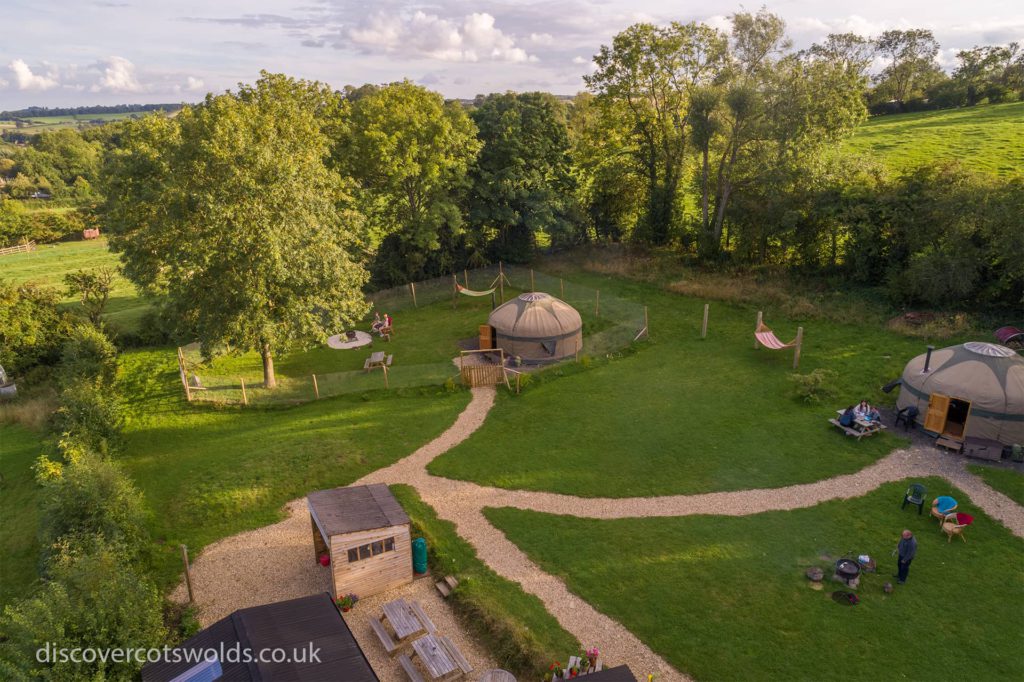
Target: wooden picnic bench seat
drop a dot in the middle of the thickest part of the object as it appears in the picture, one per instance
(366, 365)
(410, 669)
(457, 656)
(387, 363)
(422, 616)
(849, 431)
(390, 645)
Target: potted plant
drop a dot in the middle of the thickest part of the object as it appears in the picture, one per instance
(347, 602)
(591, 654)
(555, 670)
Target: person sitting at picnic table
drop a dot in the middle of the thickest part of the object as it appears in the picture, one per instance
(847, 417)
(387, 320)
(377, 322)
(866, 412)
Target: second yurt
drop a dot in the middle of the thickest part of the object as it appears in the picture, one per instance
(537, 327)
(975, 389)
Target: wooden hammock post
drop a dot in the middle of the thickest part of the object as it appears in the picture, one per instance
(455, 291)
(532, 287)
(501, 280)
(760, 317)
(465, 276)
(799, 343)
(597, 304)
(412, 288)
(647, 327)
(704, 325)
(316, 389)
(245, 398)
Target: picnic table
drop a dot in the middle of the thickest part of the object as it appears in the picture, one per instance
(403, 619)
(861, 427)
(440, 657)
(377, 360)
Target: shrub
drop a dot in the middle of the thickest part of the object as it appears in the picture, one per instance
(89, 418)
(87, 355)
(31, 327)
(814, 386)
(94, 600)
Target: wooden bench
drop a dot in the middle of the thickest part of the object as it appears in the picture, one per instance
(848, 430)
(390, 645)
(410, 669)
(423, 617)
(949, 443)
(387, 363)
(460, 660)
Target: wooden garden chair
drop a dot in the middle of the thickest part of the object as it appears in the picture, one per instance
(955, 524)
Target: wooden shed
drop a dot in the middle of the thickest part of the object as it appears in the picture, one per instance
(366, 534)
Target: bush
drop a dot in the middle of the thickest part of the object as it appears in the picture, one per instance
(89, 419)
(91, 498)
(94, 600)
(32, 329)
(87, 355)
(814, 386)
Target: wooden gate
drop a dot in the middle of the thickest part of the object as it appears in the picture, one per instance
(483, 375)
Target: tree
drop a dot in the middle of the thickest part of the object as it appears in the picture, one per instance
(986, 72)
(911, 68)
(230, 211)
(32, 328)
(409, 152)
(520, 181)
(93, 288)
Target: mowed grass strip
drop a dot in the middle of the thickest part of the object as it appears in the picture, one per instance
(1009, 482)
(988, 138)
(725, 598)
(19, 547)
(208, 473)
(686, 415)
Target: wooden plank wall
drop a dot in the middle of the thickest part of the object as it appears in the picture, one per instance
(376, 574)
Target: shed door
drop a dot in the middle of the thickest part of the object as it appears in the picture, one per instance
(935, 419)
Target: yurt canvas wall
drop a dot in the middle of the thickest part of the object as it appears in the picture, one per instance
(537, 327)
(972, 390)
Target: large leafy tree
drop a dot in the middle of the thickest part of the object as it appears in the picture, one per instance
(408, 151)
(521, 180)
(230, 211)
(911, 63)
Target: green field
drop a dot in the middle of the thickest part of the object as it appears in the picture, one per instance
(19, 448)
(986, 138)
(38, 124)
(50, 262)
(725, 598)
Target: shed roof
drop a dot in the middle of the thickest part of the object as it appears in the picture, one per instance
(296, 624)
(355, 508)
(617, 674)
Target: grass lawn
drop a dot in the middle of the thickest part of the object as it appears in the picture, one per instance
(725, 598)
(1009, 482)
(51, 262)
(685, 415)
(208, 473)
(19, 551)
(984, 138)
(518, 630)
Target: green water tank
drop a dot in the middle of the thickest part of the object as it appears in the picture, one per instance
(419, 555)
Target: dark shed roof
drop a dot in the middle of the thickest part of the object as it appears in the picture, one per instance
(293, 624)
(618, 674)
(356, 508)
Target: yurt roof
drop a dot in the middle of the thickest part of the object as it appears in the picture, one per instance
(989, 375)
(535, 315)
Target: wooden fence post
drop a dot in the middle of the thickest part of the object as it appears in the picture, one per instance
(501, 280)
(245, 399)
(188, 573)
(412, 288)
(316, 389)
(465, 275)
(532, 286)
(561, 286)
(184, 375)
(704, 326)
(760, 317)
(455, 291)
(799, 343)
(597, 305)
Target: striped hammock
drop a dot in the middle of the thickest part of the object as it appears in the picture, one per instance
(470, 292)
(766, 337)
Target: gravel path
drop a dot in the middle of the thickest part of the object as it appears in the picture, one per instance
(273, 563)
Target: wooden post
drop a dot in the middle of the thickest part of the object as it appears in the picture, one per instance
(316, 389)
(760, 317)
(532, 287)
(577, 350)
(455, 291)
(188, 573)
(799, 343)
(465, 276)
(704, 326)
(561, 286)
(184, 375)
(412, 288)
(597, 305)
(647, 326)
(386, 376)
(501, 280)
(245, 399)
(517, 383)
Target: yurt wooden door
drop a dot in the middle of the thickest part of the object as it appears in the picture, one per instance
(935, 418)
(947, 416)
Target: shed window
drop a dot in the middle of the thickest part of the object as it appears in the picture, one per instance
(372, 549)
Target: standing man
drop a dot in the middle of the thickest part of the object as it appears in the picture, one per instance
(905, 550)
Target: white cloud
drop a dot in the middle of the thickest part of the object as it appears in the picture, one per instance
(579, 60)
(541, 39)
(474, 39)
(24, 79)
(117, 75)
(193, 84)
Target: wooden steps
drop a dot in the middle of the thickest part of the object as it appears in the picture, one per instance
(446, 586)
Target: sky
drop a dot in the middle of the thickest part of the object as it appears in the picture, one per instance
(82, 52)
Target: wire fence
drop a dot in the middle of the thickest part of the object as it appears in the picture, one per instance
(610, 324)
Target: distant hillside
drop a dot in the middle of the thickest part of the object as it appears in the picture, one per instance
(41, 112)
(987, 138)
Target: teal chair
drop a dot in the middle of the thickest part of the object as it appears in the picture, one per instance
(915, 495)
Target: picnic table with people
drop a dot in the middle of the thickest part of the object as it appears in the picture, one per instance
(859, 420)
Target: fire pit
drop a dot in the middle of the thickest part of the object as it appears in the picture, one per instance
(848, 571)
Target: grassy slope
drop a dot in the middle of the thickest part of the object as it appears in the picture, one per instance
(725, 598)
(512, 622)
(51, 262)
(1007, 481)
(684, 415)
(208, 473)
(19, 552)
(984, 138)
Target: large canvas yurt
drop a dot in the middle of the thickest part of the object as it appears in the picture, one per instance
(972, 390)
(537, 327)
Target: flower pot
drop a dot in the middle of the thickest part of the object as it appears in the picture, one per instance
(346, 609)
(592, 660)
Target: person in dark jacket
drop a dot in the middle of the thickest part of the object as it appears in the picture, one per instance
(906, 550)
(847, 417)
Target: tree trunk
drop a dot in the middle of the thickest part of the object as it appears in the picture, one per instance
(269, 380)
